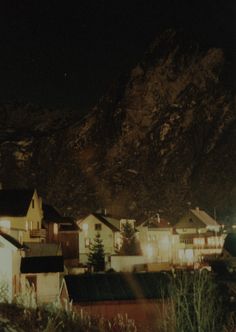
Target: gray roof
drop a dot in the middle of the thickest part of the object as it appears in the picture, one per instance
(43, 249)
(196, 218)
(112, 223)
(204, 217)
(15, 203)
(116, 286)
(42, 264)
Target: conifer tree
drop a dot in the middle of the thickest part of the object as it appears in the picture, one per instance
(130, 243)
(96, 257)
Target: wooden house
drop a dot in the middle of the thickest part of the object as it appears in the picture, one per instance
(108, 227)
(199, 235)
(21, 215)
(61, 230)
(41, 274)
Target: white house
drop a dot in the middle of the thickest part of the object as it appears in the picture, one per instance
(11, 252)
(158, 242)
(199, 235)
(109, 229)
(42, 275)
(21, 215)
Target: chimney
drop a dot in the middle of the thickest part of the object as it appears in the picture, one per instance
(197, 208)
(158, 218)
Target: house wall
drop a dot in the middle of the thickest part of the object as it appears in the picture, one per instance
(35, 212)
(88, 232)
(69, 244)
(126, 263)
(157, 244)
(47, 286)
(10, 259)
(19, 227)
(6, 272)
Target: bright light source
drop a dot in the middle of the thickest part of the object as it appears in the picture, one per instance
(55, 229)
(149, 250)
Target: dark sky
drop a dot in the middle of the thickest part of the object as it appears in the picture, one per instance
(66, 53)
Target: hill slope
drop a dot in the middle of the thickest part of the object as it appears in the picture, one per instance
(161, 138)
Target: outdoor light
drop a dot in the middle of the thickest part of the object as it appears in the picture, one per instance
(149, 250)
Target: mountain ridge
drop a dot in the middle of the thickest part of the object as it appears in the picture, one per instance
(162, 137)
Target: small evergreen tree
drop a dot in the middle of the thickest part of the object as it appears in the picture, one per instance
(130, 244)
(96, 257)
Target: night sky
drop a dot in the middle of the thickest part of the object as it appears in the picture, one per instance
(67, 53)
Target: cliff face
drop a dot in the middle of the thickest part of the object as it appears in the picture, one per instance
(161, 138)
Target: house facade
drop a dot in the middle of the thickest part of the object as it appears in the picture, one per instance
(199, 235)
(158, 240)
(108, 227)
(61, 230)
(11, 253)
(21, 215)
(40, 275)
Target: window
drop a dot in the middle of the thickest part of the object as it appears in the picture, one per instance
(32, 203)
(87, 243)
(98, 227)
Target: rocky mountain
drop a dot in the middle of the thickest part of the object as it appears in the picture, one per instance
(162, 139)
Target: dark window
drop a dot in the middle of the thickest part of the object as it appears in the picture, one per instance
(32, 203)
(98, 227)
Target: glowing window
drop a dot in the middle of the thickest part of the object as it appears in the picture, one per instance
(87, 243)
(85, 227)
(149, 250)
(200, 241)
(55, 229)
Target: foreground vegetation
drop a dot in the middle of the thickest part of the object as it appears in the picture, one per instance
(195, 302)
(51, 319)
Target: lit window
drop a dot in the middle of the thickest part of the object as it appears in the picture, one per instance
(149, 250)
(98, 227)
(199, 241)
(189, 255)
(55, 229)
(87, 243)
(85, 227)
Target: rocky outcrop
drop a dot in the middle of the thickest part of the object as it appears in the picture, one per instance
(160, 140)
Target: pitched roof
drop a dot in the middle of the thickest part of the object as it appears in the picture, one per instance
(12, 240)
(50, 214)
(196, 218)
(115, 286)
(42, 264)
(204, 217)
(43, 249)
(154, 222)
(15, 203)
(230, 244)
(112, 223)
